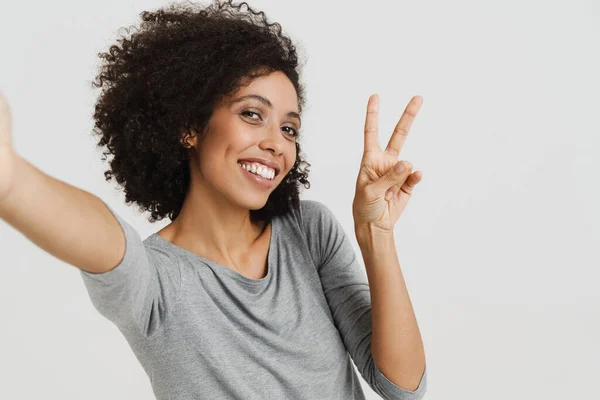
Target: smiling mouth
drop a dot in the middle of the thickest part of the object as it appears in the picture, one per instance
(271, 174)
(265, 182)
(259, 162)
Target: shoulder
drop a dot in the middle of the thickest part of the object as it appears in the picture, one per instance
(161, 252)
(308, 207)
(314, 212)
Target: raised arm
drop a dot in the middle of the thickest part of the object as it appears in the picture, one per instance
(72, 224)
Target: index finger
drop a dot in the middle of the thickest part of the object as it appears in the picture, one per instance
(372, 123)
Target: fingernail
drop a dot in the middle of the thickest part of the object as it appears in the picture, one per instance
(389, 195)
(400, 167)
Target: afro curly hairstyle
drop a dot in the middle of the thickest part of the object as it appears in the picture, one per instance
(165, 80)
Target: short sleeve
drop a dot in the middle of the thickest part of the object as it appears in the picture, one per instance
(346, 287)
(138, 294)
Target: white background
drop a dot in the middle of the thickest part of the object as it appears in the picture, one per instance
(499, 244)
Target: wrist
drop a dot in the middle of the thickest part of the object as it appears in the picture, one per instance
(369, 234)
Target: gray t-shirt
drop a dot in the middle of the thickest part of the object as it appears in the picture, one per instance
(203, 331)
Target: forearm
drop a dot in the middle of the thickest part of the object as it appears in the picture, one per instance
(396, 342)
(71, 224)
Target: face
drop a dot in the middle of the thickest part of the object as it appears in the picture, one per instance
(259, 121)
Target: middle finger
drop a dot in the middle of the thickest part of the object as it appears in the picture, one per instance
(403, 126)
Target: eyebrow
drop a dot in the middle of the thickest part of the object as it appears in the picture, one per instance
(266, 102)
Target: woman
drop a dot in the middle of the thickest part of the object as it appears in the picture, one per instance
(249, 293)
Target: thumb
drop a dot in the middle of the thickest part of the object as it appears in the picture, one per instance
(5, 122)
(394, 177)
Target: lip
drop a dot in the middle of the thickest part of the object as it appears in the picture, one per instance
(263, 161)
(267, 183)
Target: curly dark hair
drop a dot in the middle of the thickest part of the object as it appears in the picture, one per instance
(166, 78)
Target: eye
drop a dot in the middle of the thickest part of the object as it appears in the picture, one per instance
(246, 112)
(295, 132)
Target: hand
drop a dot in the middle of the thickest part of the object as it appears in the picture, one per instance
(378, 178)
(7, 155)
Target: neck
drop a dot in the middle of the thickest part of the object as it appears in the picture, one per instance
(211, 226)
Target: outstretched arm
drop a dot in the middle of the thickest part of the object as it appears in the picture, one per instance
(71, 224)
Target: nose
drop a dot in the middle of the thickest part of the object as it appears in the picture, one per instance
(273, 140)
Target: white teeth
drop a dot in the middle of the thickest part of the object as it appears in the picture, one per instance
(259, 170)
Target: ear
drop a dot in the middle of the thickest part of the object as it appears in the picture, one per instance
(188, 138)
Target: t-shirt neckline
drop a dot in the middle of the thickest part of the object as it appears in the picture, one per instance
(220, 267)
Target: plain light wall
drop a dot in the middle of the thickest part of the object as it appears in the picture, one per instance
(498, 246)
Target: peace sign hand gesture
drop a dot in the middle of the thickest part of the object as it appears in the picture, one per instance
(382, 192)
